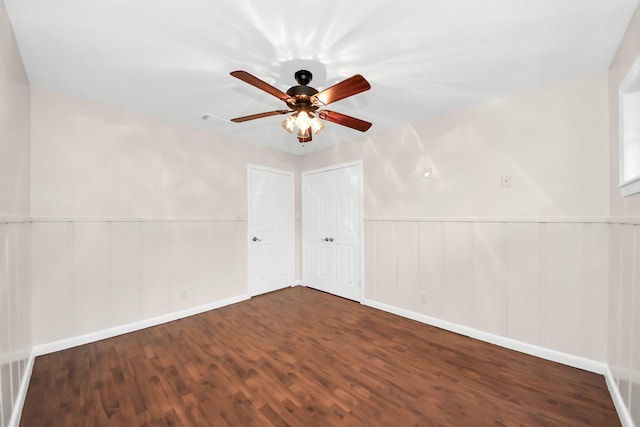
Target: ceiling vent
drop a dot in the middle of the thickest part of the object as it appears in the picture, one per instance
(213, 119)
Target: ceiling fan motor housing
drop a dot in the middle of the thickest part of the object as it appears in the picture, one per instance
(302, 92)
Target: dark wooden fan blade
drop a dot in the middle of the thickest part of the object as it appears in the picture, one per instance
(344, 89)
(260, 115)
(254, 81)
(344, 120)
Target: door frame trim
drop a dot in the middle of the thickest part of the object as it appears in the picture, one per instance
(292, 174)
(359, 163)
(334, 167)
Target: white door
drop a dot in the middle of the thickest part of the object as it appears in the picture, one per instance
(271, 229)
(331, 224)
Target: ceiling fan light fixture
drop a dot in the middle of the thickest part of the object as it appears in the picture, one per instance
(304, 136)
(289, 123)
(316, 125)
(305, 122)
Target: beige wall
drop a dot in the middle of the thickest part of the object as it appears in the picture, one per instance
(551, 141)
(130, 212)
(624, 282)
(14, 125)
(93, 160)
(529, 262)
(15, 296)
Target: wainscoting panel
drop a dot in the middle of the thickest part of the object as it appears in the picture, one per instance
(562, 299)
(489, 295)
(431, 262)
(52, 281)
(458, 272)
(92, 275)
(407, 265)
(124, 262)
(626, 311)
(597, 276)
(615, 275)
(541, 282)
(15, 314)
(386, 273)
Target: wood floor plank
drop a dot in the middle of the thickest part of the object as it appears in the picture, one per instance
(299, 357)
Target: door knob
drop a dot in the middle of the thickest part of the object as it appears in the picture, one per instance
(328, 239)
(255, 239)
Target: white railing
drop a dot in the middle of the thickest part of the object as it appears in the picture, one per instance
(15, 309)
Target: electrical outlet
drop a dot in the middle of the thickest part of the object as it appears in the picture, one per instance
(423, 298)
(505, 181)
(183, 293)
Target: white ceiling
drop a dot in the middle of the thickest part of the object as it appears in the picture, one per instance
(171, 58)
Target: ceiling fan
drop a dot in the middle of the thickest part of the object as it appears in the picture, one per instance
(305, 101)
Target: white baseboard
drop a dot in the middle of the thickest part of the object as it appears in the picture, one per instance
(132, 327)
(534, 350)
(618, 401)
(14, 421)
(522, 347)
(297, 283)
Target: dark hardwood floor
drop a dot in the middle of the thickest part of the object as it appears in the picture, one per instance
(299, 357)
